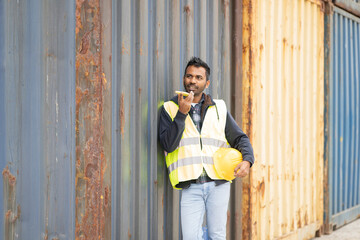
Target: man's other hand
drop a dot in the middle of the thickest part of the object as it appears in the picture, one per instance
(242, 169)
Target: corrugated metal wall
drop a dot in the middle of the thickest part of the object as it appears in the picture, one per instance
(342, 199)
(2, 104)
(93, 119)
(152, 41)
(81, 85)
(351, 6)
(283, 90)
(37, 119)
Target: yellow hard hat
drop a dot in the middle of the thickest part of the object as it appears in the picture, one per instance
(225, 161)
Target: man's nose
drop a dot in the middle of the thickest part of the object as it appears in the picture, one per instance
(193, 79)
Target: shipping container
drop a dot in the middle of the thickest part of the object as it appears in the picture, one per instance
(81, 83)
(342, 117)
(283, 95)
(37, 131)
(152, 42)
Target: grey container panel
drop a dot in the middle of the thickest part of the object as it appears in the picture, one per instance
(58, 123)
(22, 121)
(37, 119)
(2, 107)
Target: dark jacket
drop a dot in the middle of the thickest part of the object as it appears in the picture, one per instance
(170, 132)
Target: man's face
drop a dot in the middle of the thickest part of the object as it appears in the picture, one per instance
(195, 80)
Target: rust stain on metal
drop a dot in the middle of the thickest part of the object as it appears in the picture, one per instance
(7, 175)
(11, 217)
(306, 218)
(249, 77)
(129, 234)
(284, 42)
(107, 196)
(225, 3)
(124, 50)
(157, 46)
(46, 236)
(12, 211)
(7, 215)
(85, 43)
(261, 188)
(122, 114)
(90, 211)
(78, 16)
(80, 94)
(248, 52)
(261, 48)
(104, 80)
(18, 213)
(187, 10)
(246, 231)
(141, 47)
(298, 216)
(249, 229)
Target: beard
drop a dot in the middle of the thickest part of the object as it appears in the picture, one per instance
(196, 89)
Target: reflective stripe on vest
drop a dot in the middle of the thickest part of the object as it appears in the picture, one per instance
(205, 141)
(190, 161)
(195, 151)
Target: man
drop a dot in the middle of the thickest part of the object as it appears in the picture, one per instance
(191, 129)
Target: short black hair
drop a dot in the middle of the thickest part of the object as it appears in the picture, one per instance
(197, 62)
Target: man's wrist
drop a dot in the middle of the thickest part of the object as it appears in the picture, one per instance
(246, 161)
(181, 115)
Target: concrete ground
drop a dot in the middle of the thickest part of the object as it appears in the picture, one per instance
(350, 231)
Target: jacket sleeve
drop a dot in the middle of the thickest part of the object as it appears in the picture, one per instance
(169, 131)
(238, 139)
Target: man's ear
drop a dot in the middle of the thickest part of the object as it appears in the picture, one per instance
(207, 83)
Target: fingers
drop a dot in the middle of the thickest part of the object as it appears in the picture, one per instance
(242, 169)
(180, 97)
(185, 104)
(241, 173)
(237, 168)
(190, 98)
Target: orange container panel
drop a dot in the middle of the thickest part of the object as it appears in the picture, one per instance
(283, 77)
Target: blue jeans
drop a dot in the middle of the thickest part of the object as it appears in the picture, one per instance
(199, 199)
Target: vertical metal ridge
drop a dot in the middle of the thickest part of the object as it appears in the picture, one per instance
(234, 230)
(93, 168)
(2, 110)
(58, 103)
(328, 35)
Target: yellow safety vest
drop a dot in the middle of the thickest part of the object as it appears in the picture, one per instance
(196, 150)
